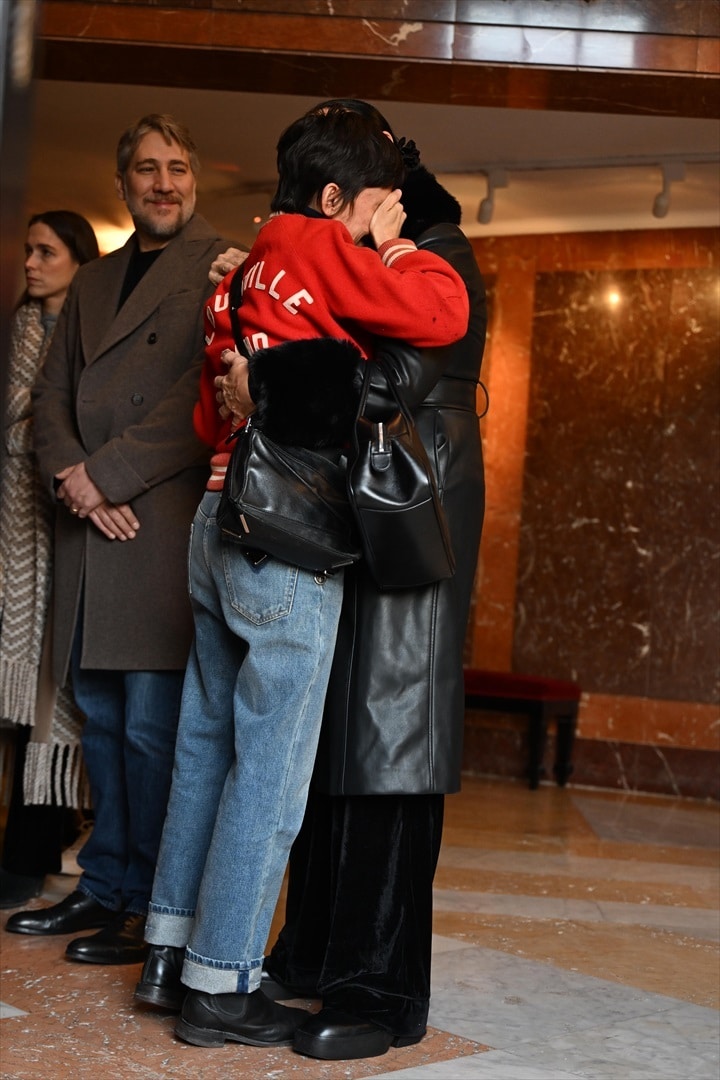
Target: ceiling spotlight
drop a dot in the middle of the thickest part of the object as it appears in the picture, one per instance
(674, 170)
(496, 178)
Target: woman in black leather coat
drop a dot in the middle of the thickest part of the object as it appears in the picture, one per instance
(359, 909)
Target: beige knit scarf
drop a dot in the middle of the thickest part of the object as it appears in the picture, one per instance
(53, 764)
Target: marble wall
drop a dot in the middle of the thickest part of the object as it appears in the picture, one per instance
(620, 536)
(601, 555)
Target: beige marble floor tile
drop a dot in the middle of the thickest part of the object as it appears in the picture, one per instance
(661, 962)
(590, 886)
(600, 885)
(513, 851)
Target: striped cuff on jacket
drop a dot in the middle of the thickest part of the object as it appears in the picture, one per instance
(392, 250)
(218, 467)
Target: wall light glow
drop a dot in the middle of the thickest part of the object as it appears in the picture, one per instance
(110, 237)
(613, 298)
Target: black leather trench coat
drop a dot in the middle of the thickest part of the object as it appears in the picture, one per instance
(394, 713)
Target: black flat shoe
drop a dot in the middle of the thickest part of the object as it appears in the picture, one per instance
(337, 1036)
(160, 983)
(120, 942)
(210, 1019)
(76, 912)
(17, 889)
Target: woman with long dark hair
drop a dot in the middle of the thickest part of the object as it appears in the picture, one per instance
(57, 243)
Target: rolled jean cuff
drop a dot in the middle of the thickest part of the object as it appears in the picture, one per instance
(221, 976)
(163, 928)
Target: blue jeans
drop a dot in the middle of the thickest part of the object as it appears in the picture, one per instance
(128, 743)
(249, 725)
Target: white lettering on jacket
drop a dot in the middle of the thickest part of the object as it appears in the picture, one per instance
(257, 341)
(253, 280)
(209, 338)
(292, 302)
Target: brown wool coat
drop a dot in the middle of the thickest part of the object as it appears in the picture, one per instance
(117, 391)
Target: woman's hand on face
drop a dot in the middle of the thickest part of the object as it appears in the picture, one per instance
(387, 221)
(225, 263)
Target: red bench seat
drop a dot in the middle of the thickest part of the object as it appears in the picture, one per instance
(542, 700)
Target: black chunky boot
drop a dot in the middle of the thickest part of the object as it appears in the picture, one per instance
(160, 983)
(210, 1019)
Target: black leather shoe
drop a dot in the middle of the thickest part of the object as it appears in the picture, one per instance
(337, 1036)
(160, 980)
(76, 912)
(121, 942)
(210, 1019)
(17, 889)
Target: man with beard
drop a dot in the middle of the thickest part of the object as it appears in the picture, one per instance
(114, 438)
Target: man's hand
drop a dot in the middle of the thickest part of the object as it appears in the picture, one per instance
(116, 521)
(233, 395)
(77, 490)
(84, 498)
(225, 263)
(387, 221)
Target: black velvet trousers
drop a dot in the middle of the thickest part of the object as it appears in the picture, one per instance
(358, 927)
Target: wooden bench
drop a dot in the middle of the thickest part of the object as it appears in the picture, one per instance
(542, 700)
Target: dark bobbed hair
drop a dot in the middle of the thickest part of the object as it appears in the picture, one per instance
(425, 201)
(333, 145)
(363, 108)
(73, 229)
(165, 125)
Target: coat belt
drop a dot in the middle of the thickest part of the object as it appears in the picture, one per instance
(452, 394)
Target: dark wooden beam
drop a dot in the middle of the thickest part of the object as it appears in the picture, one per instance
(453, 53)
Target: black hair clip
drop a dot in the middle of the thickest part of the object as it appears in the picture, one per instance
(409, 153)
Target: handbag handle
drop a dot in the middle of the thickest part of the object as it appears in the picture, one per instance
(398, 398)
(377, 432)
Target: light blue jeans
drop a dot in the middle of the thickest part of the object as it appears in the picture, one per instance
(249, 725)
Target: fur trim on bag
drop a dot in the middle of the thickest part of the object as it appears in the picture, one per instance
(307, 392)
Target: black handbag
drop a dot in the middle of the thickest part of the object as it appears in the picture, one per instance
(394, 496)
(288, 502)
